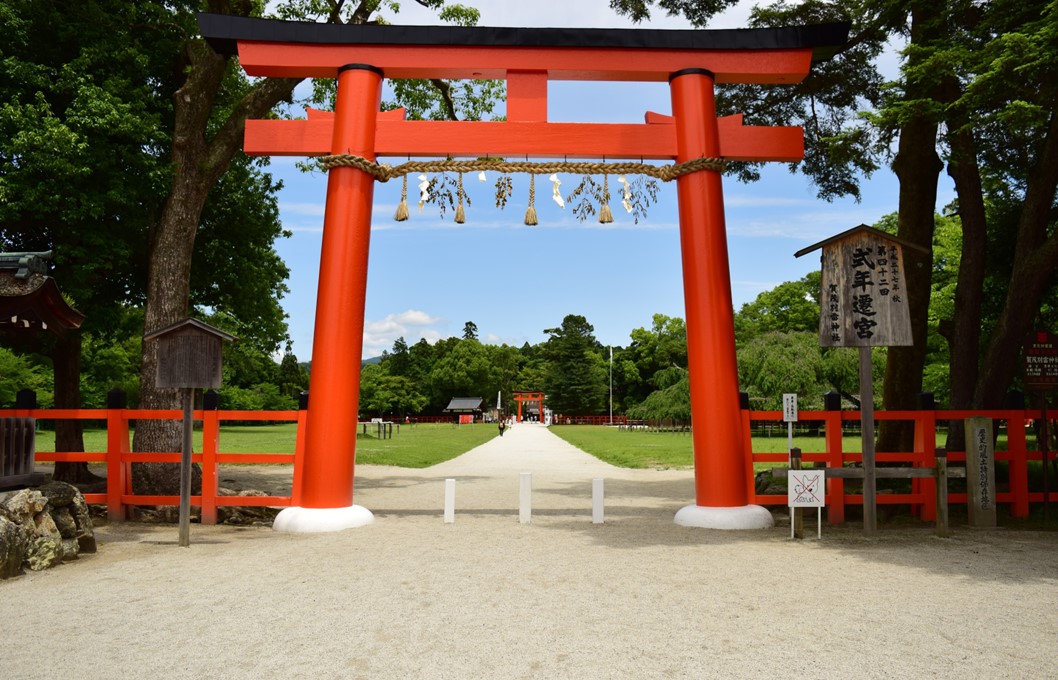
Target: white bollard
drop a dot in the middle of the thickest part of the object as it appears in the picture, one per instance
(596, 500)
(525, 500)
(450, 501)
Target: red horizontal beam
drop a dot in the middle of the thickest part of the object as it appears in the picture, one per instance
(70, 457)
(460, 62)
(651, 141)
(264, 458)
(257, 501)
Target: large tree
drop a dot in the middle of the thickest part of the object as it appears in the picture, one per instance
(976, 94)
(576, 378)
(212, 101)
(81, 126)
(98, 161)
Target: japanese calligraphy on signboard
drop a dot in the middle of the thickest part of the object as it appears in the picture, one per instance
(864, 300)
(1041, 361)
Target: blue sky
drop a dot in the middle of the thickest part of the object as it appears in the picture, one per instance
(428, 276)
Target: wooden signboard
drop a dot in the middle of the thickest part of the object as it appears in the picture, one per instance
(1041, 362)
(980, 472)
(190, 354)
(864, 303)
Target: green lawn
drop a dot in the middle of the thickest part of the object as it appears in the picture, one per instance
(645, 449)
(418, 446)
(413, 446)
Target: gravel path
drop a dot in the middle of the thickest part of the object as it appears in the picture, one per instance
(487, 597)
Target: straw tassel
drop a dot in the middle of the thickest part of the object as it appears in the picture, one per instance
(605, 214)
(402, 207)
(461, 215)
(530, 213)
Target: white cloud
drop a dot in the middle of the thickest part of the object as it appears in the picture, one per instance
(411, 325)
(306, 209)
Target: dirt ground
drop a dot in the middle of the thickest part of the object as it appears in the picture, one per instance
(488, 597)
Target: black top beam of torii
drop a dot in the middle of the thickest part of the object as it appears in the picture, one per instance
(223, 32)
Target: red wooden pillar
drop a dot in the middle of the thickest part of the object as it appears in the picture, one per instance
(1018, 465)
(334, 385)
(118, 477)
(835, 459)
(719, 461)
(210, 468)
(925, 456)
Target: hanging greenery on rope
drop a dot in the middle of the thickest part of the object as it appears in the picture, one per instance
(636, 195)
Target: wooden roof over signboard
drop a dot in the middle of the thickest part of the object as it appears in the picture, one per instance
(857, 230)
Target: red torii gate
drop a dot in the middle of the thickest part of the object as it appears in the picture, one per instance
(529, 397)
(360, 56)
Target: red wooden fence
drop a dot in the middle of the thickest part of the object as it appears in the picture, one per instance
(921, 498)
(119, 458)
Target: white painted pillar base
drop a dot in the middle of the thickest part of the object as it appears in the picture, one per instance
(597, 500)
(450, 501)
(732, 519)
(525, 497)
(297, 520)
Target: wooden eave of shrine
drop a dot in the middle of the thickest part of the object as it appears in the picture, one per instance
(35, 304)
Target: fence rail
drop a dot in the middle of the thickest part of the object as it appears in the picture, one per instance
(922, 497)
(118, 457)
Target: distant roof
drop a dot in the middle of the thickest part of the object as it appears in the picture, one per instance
(465, 404)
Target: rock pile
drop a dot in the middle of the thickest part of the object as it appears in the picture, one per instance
(41, 528)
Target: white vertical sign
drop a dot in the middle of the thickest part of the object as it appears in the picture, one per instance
(789, 408)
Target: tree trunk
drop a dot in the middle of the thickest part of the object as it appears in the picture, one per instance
(1035, 263)
(918, 168)
(69, 434)
(198, 163)
(964, 339)
(169, 268)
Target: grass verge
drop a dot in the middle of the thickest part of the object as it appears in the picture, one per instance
(413, 446)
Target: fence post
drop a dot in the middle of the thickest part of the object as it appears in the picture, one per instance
(797, 515)
(117, 445)
(299, 449)
(941, 478)
(1017, 465)
(210, 442)
(835, 457)
(747, 446)
(25, 401)
(925, 443)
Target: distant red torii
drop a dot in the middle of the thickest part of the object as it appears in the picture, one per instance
(524, 397)
(360, 56)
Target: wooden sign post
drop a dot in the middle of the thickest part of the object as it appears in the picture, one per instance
(863, 304)
(189, 356)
